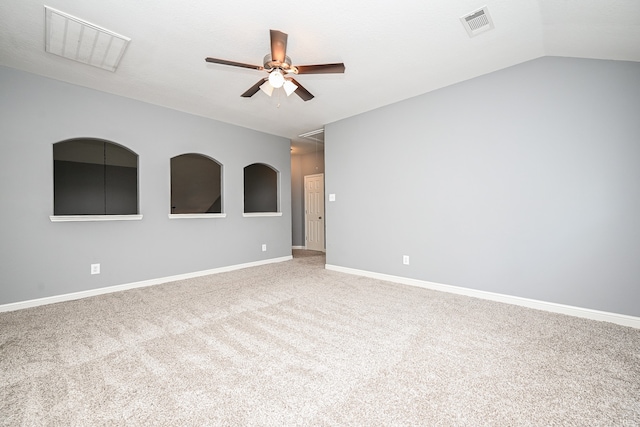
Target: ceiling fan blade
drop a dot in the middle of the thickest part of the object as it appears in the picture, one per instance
(234, 64)
(253, 89)
(278, 46)
(321, 69)
(302, 92)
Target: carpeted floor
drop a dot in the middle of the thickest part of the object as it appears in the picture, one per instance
(292, 344)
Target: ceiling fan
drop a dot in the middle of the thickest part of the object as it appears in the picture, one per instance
(279, 67)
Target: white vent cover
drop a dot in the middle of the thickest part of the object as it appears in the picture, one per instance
(315, 135)
(477, 21)
(82, 41)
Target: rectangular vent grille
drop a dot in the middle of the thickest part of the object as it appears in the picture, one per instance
(81, 41)
(315, 135)
(477, 22)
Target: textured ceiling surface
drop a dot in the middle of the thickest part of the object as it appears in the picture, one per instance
(393, 50)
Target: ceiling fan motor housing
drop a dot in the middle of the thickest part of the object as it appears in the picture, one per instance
(270, 64)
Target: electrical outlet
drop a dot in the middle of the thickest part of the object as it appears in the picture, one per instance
(405, 259)
(95, 268)
(264, 247)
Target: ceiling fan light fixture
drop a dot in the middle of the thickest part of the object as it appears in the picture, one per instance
(277, 64)
(267, 88)
(289, 87)
(276, 78)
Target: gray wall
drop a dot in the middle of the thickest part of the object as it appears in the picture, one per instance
(523, 182)
(39, 258)
(302, 165)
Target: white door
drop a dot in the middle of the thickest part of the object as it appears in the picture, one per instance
(314, 211)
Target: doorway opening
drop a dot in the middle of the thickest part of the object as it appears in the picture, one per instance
(307, 158)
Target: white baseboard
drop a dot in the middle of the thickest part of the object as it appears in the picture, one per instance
(117, 288)
(305, 248)
(620, 319)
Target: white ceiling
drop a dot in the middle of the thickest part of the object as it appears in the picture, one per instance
(392, 50)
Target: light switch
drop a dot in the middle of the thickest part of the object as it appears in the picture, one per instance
(332, 197)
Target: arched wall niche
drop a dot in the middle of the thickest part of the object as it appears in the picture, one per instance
(94, 177)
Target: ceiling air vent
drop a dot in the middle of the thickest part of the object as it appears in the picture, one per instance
(315, 135)
(477, 22)
(82, 41)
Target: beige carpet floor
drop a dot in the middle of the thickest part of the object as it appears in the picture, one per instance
(292, 344)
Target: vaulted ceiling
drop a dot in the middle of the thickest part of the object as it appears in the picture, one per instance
(393, 50)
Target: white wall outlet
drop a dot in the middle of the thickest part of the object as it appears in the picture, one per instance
(95, 268)
(405, 259)
(264, 247)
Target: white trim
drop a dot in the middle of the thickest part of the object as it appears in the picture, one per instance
(256, 214)
(298, 247)
(199, 216)
(587, 313)
(117, 288)
(91, 218)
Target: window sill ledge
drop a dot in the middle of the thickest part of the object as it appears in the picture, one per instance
(93, 218)
(256, 214)
(197, 216)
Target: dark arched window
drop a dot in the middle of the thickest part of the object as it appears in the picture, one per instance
(196, 184)
(94, 177)
(260, 188)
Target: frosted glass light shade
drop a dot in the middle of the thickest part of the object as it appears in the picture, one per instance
(289, 87)
(276, 78)
(266, 88)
